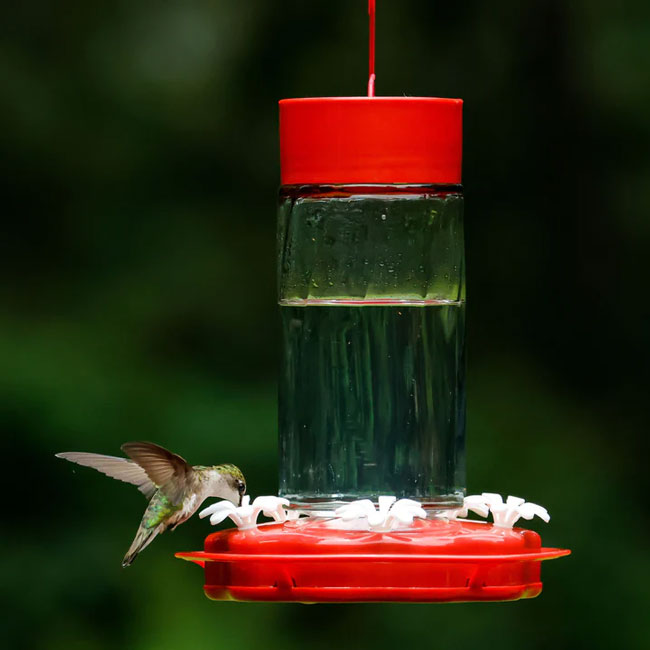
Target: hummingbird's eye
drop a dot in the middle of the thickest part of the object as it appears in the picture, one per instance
(241, 486)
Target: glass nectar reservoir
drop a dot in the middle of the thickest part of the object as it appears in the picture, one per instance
(371, 278)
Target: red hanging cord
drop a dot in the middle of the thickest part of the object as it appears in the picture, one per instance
(371, 49)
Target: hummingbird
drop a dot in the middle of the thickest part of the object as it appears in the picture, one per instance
(174, 488)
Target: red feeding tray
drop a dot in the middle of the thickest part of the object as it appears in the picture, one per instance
(435, 560)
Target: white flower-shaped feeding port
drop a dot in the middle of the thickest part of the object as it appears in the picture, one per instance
(504, 514)
(245, 516)
(390, 515)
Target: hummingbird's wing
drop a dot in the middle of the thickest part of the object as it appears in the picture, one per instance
(167, 470)
(122, 469)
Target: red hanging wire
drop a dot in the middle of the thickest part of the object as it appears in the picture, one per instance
(371, 48)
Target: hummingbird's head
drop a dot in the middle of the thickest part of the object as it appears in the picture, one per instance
(235, 483)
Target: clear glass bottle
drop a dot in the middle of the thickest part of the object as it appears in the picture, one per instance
(371, 283)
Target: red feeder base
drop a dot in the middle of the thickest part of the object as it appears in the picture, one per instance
(308, 561)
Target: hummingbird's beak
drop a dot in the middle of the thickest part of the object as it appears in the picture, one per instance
(239, 502)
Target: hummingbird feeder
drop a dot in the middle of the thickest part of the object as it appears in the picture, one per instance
(371, 275)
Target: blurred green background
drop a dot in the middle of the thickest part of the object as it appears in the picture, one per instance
(139, 161)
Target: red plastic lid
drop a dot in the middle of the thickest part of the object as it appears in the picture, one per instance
(370, 140)
(432, 561)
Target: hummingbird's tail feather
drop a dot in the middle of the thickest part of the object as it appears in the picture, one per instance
(142, 539)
